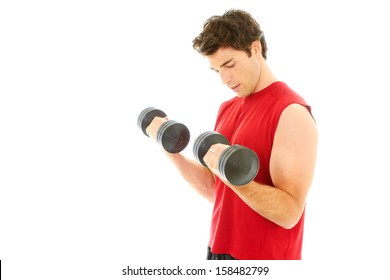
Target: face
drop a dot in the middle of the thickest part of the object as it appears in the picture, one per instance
(237, 70)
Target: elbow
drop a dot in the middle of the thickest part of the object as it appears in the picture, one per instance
(290, 221)
(206, 191)
(288, 225)
(211, 199)
(292, 214)
(210, 194)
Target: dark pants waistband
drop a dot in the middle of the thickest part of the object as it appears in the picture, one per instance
(212, 256)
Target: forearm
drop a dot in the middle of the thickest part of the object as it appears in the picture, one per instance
(270, 202)
(198, 177)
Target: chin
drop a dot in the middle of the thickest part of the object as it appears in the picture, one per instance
(242, 94)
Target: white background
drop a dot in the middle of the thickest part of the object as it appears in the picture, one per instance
(83, 193)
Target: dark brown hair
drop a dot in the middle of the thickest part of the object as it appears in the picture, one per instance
(235, 28)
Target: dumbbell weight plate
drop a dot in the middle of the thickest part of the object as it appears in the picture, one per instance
(147, 116)
(173, 136)
(238, 165)
(203, 143)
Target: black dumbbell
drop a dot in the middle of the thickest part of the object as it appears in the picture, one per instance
(171, 135)
(237, 164)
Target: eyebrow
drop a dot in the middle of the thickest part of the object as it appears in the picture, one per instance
(223, 64)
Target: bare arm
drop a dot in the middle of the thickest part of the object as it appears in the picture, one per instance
(292, 165)
(198, 177)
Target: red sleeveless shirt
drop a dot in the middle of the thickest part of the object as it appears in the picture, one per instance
(236, 229)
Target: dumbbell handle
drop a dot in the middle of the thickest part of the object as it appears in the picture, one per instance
(203, 143)
(146, 117)
(171, 135)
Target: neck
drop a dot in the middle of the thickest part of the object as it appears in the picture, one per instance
(266, 78)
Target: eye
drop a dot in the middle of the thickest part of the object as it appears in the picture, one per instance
(230, 65)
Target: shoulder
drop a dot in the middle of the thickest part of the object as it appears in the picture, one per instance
(296, 126)
(297, 112)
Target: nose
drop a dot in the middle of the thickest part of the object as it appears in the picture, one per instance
(225, 77)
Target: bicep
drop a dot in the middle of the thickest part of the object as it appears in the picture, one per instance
(294, 153)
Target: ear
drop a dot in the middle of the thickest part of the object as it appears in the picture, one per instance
(256, 47)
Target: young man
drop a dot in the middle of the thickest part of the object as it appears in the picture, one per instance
(263, 219)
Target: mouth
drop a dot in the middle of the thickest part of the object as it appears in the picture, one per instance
(236, 88)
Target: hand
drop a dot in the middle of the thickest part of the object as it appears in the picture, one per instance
(153, 127)
(212, 157)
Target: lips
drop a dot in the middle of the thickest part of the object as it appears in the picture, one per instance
(236, 88)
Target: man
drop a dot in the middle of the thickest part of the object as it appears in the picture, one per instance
(263, 219)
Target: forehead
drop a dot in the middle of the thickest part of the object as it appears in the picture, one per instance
(223, 55)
